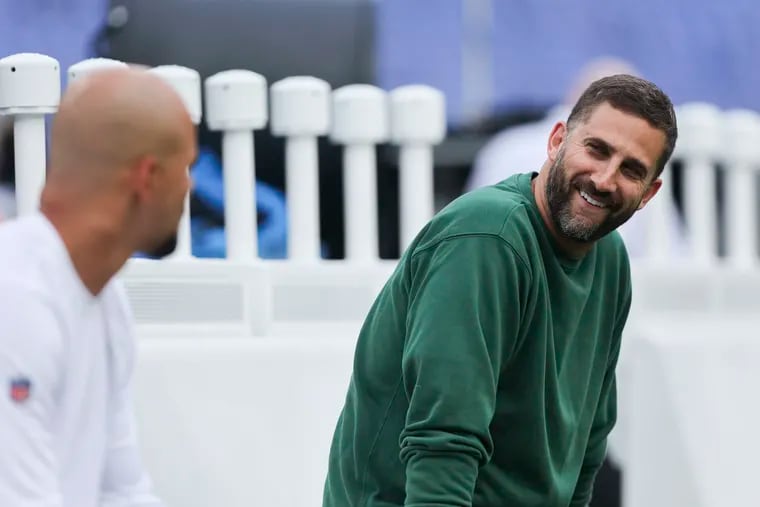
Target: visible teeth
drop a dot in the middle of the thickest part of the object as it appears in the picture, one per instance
(591, 200)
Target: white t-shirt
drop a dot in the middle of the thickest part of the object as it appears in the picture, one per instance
(67, 436)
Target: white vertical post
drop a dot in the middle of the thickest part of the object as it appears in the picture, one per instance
(360, 121)
(301, 112)
(239, 180)
(29, 160)
(236, 104)
(30, 88)
(418, 121)
(658, 221)
(698, 146)
(187, 83)
(360, 187)
(741, 138)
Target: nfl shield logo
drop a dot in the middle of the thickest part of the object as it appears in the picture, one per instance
(20, 389)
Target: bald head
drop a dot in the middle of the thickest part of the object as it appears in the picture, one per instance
(112, 119)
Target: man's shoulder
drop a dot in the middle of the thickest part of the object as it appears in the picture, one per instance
(30, 315)
(35, 267)
(492, 210)
(612, 250)
(28, 297)
(612, 259)
(26, 244)
(116, 301)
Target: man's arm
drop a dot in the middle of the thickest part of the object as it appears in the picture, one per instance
(125, 482)
(604, 420)
(30, 368)
(596, 449)
(463, 319)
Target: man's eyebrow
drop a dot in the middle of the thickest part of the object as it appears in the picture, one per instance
(636, 164)
(631, 161)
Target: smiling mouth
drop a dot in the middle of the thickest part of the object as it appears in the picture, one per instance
(592, 201)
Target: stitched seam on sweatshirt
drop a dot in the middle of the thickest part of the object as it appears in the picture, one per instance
(482, 235)
(377, 438)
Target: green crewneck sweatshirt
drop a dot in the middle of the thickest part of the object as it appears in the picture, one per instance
(484, 372)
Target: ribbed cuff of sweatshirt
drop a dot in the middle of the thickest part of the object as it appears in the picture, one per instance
(440, 479)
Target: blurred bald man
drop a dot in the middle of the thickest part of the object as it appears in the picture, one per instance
(120, 148)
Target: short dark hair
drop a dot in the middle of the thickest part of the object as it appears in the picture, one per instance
(632, 95)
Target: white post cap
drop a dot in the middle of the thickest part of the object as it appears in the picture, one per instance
(418, 115)
(30, 83)
(236, 99)
(300, 106)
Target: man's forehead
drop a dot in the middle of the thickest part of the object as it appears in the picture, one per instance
(605, 114)
(624, 132)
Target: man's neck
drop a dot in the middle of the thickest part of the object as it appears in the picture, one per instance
(94, 246)
(571, 248)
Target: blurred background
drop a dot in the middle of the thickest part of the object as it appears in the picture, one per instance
(508, 68)
(501, 64)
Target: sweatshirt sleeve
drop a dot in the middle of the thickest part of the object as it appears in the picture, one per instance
(604, 418)
(467, 297)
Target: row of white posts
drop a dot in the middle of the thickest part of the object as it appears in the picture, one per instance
(237, 102)
(708, 136)
(360, 117)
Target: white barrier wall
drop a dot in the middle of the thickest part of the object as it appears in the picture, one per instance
(244, 362)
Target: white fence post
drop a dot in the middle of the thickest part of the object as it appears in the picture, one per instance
(741, 138)
(30, 88)
(236, 104)
(698, 146)
(360, 121)
(301, 113)
(418, 121)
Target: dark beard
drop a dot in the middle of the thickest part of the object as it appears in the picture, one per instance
(559, 195)
(164, 249)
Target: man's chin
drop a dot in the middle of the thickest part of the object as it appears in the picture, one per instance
(577, 236)
(591, 233)
(164, 249)
(580, 229)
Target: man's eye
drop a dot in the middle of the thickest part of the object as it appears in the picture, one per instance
(633, 172)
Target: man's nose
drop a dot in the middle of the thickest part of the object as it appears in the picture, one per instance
(605, 179)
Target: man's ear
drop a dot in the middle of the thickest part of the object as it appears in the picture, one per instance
(556, 138)
(143, 176)
(654, 187)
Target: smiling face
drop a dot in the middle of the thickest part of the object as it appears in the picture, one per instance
(602, 171)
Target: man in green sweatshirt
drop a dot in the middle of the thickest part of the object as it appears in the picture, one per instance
(484, 374)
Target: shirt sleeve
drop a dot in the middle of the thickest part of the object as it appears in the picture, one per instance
(464, 315)
(125, 482)
(31, 346)
(604, 419)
